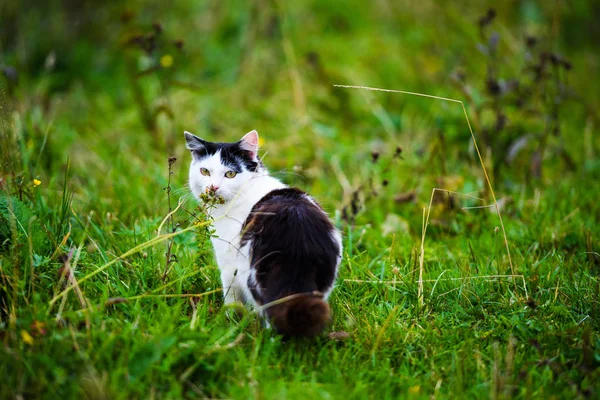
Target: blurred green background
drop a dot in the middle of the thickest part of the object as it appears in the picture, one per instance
(94, 99)
(118, 83)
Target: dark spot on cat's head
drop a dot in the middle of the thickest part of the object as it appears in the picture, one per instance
(233, 155)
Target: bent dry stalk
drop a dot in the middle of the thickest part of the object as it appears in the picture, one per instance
(426, 214)
(128, 253)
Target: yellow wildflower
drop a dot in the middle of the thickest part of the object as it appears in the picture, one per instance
(166, 61)
(27, 338)
(36, 182)
(261, 141)
(414, 389)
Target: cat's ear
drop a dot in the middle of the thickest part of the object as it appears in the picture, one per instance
(193, 142)
(250, 143)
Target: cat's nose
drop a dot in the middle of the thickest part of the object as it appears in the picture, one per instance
(213, 188)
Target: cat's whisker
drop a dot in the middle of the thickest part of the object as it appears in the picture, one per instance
(187, 198)
(181, 191)
(288, 172)
(234, 219)
(230, 244)
(184, 190)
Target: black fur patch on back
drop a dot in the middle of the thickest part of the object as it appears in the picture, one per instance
(292, 247)
(232, 155)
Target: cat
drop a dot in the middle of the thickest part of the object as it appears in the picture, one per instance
(271, 242)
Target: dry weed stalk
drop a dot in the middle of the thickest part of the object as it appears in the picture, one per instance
(170, 258)
(426, 212)
(177, 295)
(314, 293)
(489, 278)
(130, 252)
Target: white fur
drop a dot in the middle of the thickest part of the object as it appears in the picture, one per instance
(241, 193)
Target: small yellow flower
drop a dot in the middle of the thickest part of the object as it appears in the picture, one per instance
(414, 389)
(27, 338)
(261, 141)
(166, 61)
(36, 182)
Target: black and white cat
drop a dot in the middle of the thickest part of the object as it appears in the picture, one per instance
(270, 241)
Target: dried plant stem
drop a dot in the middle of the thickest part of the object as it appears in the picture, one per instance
(156, 240)
(128, 253)
(158, 289)
(235, 342)
(169, 258)
(178, 295)
(69, 273)
(314, 293)
(194, 313)
(421, 257)
(466, 278)
(423, 233)
(384, 327)
(487, 179)
(169, 215)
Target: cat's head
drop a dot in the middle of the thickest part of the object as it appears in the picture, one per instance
(222, 168)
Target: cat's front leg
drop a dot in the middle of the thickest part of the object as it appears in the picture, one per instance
(233, 295)
(232, 292)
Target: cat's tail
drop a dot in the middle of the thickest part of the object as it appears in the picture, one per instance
(302, 316)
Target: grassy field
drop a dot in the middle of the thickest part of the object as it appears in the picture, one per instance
(108, 286)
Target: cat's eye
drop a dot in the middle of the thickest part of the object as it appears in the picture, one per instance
(230, 174)
(204, 172)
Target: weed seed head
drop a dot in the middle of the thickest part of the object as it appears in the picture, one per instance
(374, 156)
(487, 18)
(157, 27)
(531, 41)
(127, 16)
(398, 152)
(211, 199)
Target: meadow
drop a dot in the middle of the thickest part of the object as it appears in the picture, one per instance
(108, 285)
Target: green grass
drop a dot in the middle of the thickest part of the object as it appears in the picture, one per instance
(128, 330)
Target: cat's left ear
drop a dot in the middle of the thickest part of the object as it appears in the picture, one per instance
(250, 143)
(193, 142)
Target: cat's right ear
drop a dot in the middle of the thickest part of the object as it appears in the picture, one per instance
(193, 142)
(250, 143)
